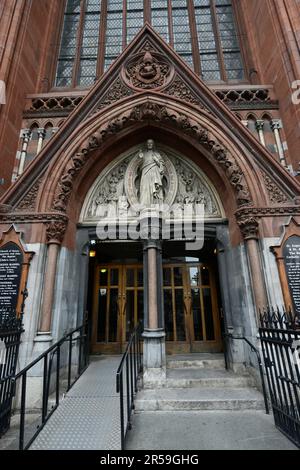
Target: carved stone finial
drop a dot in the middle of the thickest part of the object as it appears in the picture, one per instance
(249, 227)
(55, 231)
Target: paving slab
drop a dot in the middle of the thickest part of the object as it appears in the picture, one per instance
(206, 430)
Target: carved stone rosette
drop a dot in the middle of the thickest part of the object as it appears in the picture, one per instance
(249, 227)
(147, 70)
(55, 231)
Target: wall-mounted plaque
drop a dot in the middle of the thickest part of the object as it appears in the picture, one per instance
(11, 260)
(14, 265)
(291, 255)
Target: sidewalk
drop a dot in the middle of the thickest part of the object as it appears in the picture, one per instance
(206, 430)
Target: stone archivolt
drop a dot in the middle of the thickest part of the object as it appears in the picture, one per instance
(153, 112)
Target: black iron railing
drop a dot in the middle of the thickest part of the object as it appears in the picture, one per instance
(128, 373)
(10, 339)
(259, 360)
(58, 367)
(280, 339)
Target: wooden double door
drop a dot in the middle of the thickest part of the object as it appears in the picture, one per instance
(190, 307)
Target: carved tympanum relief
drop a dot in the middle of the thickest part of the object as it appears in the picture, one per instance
(145, 176)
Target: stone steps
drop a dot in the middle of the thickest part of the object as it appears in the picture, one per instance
(196, 361)
(199, 382)
(187, 399)
(187, 378)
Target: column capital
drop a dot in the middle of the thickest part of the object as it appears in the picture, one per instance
(55, 231)
(249, 227)
(25, 134)
(259, 124)
(276, 124)
(41, 132)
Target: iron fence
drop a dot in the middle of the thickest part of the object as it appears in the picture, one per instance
(128, 373)
(259, 361)
(280, 339)
(52, 374)
(10, 339)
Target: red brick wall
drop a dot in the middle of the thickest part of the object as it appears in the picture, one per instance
(26, 27)
(275, 32)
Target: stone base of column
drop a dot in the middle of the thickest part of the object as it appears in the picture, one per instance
(154, 354)
(43, 337)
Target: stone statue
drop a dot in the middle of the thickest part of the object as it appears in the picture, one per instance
(152, 170)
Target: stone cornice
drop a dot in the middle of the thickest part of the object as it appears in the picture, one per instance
(23, 217)
(260, 212)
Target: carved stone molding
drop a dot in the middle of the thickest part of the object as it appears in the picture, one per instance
(180, 89)
(55, 231)
(28, 203)
(157, 113)
(267, 211)
(249, 227)
(116, 92)
(276, 195)
(38, 218)
(5, 208)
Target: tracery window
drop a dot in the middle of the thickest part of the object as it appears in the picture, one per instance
(95, 32)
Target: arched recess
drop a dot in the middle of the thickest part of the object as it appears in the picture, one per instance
(116, 189)
(104, 135)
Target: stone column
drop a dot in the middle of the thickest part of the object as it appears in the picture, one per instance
(26, 133)
(260, 129)
(55, 232)
(41, 134)
(249, 229)
(276, 125)
(154, 335)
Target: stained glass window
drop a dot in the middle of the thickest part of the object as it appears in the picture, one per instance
(181, 30)
(159, 18)
(84, 55)
(68, 44)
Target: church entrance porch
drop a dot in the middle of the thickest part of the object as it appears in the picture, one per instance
(188, 291)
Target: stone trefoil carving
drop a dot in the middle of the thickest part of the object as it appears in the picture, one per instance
(127, 188)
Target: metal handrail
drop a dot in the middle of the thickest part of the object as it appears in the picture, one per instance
(133, 364)
(53, 350)
(260, 364)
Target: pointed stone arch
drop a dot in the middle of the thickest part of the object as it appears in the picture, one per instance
(102, 129)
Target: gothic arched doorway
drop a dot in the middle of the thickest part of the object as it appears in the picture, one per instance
(189, 279)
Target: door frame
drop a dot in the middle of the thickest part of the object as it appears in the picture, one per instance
(172, 347)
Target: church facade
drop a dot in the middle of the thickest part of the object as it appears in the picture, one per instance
(149, 164)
